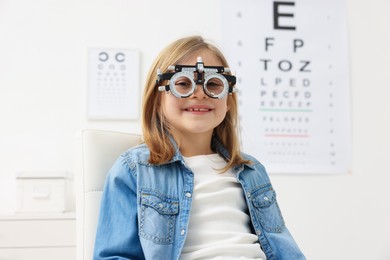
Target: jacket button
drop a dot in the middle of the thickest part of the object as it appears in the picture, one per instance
(188, 195)
(182, 232)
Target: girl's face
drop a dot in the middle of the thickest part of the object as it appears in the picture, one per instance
(197, 114)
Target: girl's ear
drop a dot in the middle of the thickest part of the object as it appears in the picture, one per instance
(228, 105)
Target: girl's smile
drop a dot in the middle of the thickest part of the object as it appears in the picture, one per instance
(198, 109)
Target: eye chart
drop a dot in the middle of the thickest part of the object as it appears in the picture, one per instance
(291, 63)
(113, 87)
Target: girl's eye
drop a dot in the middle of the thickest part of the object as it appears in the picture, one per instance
(214, 84)
(183, 82)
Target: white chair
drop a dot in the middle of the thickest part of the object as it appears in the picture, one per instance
(100, 149)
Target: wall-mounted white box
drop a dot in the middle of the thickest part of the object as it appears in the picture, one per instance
(43, 192)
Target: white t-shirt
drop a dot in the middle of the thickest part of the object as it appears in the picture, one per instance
(219, 225)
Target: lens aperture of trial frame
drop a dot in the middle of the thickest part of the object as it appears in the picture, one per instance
(214, 86)
(183, 85)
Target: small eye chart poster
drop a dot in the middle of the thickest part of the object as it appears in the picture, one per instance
(291, 63)
(113, 84)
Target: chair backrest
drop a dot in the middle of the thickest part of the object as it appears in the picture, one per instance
(100, 149)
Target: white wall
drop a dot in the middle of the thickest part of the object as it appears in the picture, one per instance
(43, 69)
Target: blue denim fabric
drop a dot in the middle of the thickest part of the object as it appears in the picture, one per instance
(145, 209)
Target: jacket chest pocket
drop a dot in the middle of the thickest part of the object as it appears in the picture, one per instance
(267, 210)
(158, 217)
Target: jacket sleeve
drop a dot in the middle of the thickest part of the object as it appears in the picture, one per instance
(282, 246)
(117, 230)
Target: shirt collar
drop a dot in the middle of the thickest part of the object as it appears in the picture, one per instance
(216, 145)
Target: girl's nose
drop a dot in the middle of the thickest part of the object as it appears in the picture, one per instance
(199, 92)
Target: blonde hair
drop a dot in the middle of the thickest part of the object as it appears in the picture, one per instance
(156, 129)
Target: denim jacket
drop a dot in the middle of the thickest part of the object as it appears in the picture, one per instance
(145, 208)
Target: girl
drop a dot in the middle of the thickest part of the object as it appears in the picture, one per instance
(188, 192)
